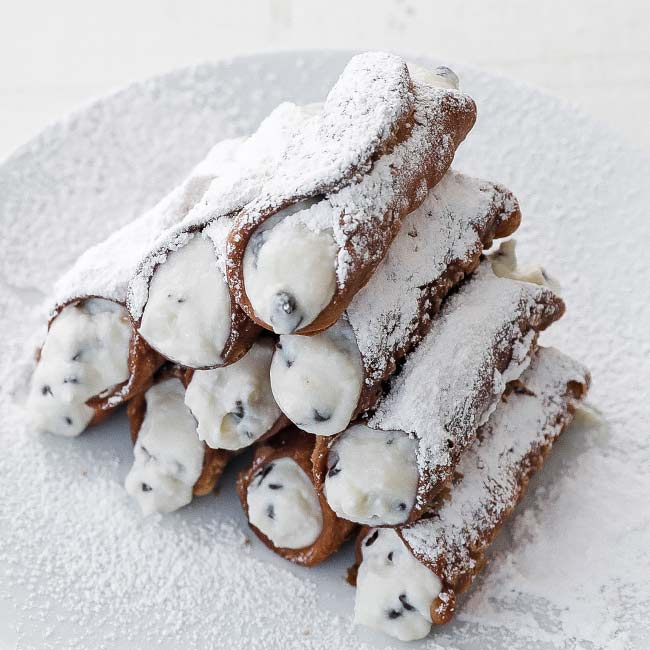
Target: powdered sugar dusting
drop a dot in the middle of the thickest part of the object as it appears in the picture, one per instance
(362, 111)
(104, 270)
(386, 313)
(367, 209)
(491, 470)
(569, 570)
(452, 381)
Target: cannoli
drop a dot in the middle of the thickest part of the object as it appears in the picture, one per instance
(282, 506)
(170, 463)
(234, 406)
(92, 360)
(323, 381)
(409, 577)
(448, 386)
(299, 253)
(178, 298)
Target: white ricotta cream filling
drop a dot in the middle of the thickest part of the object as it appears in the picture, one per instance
(372, 476)
(394, 590)
(317, 380)
(441, 77)
(290, 266)
(187, 315)
(283, 504)
(505, 265)
(234, 406)
(85, 353)
(168, 456)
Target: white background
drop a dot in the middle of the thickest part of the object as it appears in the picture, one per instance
(55, 55)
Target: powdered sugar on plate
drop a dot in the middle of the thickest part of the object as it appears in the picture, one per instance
(79, 568)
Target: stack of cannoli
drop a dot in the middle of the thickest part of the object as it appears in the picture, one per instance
(325, 295)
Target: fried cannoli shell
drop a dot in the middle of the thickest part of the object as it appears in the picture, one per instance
(214, 460)
(456, 565)
(502, 219)
(297, 445)
(541, 308)
(422, 139)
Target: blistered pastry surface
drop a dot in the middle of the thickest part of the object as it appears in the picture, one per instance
(387, 314)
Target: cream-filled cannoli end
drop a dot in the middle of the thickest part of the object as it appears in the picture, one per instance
(187, 317)
(317, 380)
(372, 476)
(395, 592)
(168, 456)
(234, 406)
(85, 353)
(284, 506)
(289, 266)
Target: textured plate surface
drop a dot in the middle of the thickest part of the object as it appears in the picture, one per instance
(79, 568)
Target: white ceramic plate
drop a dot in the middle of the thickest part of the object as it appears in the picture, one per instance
(79, 568)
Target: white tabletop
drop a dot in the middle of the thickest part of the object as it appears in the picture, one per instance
(55, 56)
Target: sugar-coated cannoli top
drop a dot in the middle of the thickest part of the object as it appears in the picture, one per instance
(178, 296)
(362, 113)
(459, 216)
(283, 504)
(408, 578)
(531, 417)
(84, 355)
(168, 456)
(437, 243)
(234, 406)
(450, 384)
(350, 175)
